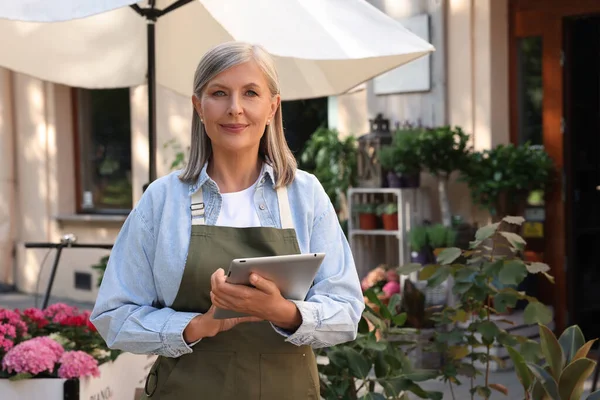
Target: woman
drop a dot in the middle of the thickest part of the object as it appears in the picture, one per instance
(240, 196)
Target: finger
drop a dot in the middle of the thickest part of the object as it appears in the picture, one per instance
(264, 285)
(217, 302)
(217, 278)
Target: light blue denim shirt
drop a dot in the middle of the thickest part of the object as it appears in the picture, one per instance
(132, 311)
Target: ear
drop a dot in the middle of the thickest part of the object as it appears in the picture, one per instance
(275, 103)
(197, 103)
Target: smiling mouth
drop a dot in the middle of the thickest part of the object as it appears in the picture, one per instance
(234, 127)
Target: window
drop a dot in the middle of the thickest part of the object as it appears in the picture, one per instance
(103, 151)
(530, 90)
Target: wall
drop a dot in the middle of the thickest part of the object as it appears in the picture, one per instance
(7, 181)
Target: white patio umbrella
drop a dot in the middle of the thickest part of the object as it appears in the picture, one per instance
(321, 47)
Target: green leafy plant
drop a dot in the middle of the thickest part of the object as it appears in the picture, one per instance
(333, 161)
(418, 238)
(442, 151)
(180, 160)
(501, 179)
(387, 208)
(441, 236)
(566, 367)
(101, 268)
(402, 155)
(374, 366)
(484, 285)
(366, 208)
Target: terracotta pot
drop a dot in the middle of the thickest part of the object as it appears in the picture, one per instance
(367, 221)
(390, 222)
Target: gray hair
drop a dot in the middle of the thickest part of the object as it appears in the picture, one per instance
(273, 146)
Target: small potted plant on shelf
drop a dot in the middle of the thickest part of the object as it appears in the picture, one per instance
(419, 245)
(389, 216)
(367, 216)
(401, 159)
(440, 236)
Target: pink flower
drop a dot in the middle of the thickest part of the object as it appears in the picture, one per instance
(77, 364)
(36, 316)
(60, 312)
(13, 318)
(33, 356)
(373, 277)
(391, 288)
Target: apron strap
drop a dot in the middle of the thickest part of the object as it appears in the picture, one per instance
(285, 213)
(197, 208)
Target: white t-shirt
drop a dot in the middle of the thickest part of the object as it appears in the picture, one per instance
(237, 209)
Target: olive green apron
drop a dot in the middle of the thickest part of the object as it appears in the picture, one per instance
(250, 361)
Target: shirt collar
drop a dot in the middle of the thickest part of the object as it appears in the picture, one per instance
(267, 171)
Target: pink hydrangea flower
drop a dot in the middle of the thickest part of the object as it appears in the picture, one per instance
(391, 288)
(33, 356)
(60, 312)
(11, 317)
(77, 364)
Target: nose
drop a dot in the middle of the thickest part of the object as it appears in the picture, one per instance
(235, 105)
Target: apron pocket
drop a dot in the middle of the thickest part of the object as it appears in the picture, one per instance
(287, 376)
(202, 374)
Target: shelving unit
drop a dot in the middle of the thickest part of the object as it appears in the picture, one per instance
(374, 247)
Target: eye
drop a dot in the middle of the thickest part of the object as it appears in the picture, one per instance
(251, 93)
(218, 93)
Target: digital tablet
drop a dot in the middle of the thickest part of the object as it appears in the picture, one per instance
(293, 275)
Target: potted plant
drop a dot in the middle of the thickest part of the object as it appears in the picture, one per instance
(401, 159)
(442, 151)
(57, 353)
(333, 161)
(419, 245)
(367, 216)
(389, 216)
(440, 236)
(501, 179)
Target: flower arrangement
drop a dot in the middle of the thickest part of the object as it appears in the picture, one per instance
(384, 282)
(57, 342)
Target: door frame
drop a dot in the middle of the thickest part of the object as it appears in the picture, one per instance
(545, 18)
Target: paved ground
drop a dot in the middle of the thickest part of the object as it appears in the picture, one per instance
(19, 300)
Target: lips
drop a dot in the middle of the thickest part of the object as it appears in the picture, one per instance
(234, 128)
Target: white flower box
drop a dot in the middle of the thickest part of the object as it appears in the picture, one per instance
(122, 379)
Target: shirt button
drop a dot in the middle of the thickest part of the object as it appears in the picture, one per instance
(262, 207)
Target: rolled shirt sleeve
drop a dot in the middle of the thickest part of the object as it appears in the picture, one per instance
(126, 313)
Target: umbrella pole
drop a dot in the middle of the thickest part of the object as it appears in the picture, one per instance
(151, 13)
(151, 101)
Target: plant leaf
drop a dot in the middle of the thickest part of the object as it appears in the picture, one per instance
(513, 220)
(512, 273)
(573, 377)
(523, 373)
(399, 319)
(584, 350)
(486, 232)
(489, 330)
(409, 268)
(504, 300)
(515, 240)
(21, 376)
(537, 313)
(439, 277)
(427, 272)
(552, 351)
(546, 380)
(499, 388)
(458, 352)
(537, 267)
(449, 255)
(422, 375)
(357, 363)
(570, 341)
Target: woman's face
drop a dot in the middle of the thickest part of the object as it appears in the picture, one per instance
(235, 108)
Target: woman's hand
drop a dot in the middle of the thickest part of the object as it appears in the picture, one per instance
(206, 325)
(264, 301)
